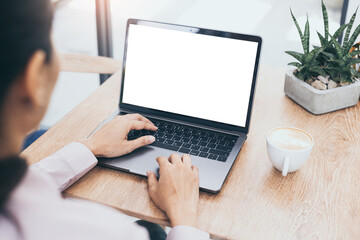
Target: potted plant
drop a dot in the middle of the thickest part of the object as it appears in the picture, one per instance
(356, 47)
(324, 79)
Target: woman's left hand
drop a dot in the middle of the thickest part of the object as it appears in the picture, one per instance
(111, 139)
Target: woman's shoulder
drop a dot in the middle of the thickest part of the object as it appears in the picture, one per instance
(42, 213)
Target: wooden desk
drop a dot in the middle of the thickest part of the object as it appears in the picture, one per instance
(320, 201)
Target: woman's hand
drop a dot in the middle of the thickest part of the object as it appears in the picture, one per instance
(177, 190)
(111, 139)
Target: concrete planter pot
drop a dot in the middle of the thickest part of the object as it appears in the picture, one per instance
(320, 101)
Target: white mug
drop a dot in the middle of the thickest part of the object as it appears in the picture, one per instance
(288, 160)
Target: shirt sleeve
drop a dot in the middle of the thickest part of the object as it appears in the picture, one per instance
(67, 165)
(70, 163)
(186, 233)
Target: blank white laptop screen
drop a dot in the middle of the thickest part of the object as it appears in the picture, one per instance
(191, 74)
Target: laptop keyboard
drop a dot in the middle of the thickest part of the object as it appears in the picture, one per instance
(185, 139)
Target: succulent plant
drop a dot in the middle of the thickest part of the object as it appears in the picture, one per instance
(331, 58)
(356, 47)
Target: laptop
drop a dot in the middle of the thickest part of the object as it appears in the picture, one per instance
(197, 86)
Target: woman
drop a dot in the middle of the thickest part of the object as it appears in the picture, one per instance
(30, 197)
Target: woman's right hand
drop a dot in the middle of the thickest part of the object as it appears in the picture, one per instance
(177, 190)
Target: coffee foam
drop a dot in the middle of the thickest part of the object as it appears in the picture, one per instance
(290, 138)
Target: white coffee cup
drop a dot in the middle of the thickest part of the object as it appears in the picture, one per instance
(288, 148)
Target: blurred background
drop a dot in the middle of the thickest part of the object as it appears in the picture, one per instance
(74, 31)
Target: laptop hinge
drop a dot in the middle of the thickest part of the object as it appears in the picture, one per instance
(236, 133)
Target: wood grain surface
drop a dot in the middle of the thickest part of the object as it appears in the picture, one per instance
(91, 64)
(320, 201)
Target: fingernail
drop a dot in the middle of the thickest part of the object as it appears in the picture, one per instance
(147, 173)
(151, 139)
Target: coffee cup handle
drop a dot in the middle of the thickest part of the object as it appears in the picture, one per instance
(285, 168)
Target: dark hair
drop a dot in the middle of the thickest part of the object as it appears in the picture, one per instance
(24, 28)
(12, 169)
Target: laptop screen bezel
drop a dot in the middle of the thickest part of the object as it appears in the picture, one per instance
(180, 117)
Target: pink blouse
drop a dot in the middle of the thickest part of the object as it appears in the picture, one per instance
(39, 212)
